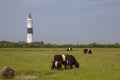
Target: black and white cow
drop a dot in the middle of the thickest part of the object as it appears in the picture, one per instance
(60, 58)
(56, 65)
(67, 60)
(86, 50)
(71, 61)
(69, 49)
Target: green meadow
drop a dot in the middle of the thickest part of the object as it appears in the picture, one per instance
(35, 63)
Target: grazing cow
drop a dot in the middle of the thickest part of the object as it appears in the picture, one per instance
(67, 60)
(69, 49)
(7, 72)
(85, 51)
(71, 61)
(60, 58)
(89, 51)
(56, 65)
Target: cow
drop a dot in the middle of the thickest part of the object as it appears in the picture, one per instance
(71, 61)
(60, 58)
(56, 65)
(86, 50)
(67, 60)
(7, 73)
(69, 49)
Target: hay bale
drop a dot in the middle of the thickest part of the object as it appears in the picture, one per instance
(7, 72)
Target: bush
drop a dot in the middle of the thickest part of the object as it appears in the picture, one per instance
(22, 44)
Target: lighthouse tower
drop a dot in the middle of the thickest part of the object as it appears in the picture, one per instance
(29, 29)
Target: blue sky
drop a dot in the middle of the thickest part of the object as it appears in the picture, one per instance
(61, 21)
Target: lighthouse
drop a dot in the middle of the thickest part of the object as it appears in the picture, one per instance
(29, 29)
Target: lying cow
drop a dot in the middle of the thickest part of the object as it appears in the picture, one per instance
(89, 51)
(67, 60)
(56, 65)
(7, 72)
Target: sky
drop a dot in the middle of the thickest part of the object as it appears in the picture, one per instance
(61, 21)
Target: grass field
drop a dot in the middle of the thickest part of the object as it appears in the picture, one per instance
(35, 63)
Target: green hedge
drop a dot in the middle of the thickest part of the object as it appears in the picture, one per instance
(7, 44)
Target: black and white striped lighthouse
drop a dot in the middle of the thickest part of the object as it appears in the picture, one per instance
(29, 29)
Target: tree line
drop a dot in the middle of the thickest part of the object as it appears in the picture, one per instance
(41, 44)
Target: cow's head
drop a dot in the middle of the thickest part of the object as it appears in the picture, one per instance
(77, 65)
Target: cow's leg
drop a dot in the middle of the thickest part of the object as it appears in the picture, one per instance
(60, 67)
(71, 65)
(65, 64)
(53, 65)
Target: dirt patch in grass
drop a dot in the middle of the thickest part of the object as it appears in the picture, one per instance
(26, 76)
